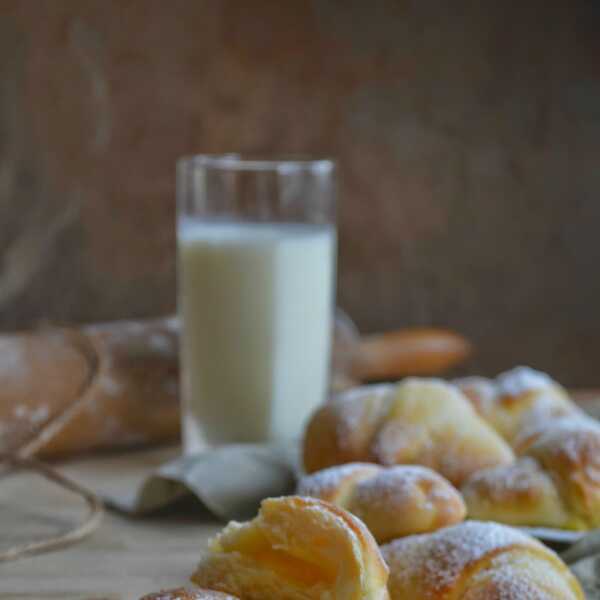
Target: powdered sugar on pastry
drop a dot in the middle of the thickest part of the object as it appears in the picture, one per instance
(352, 407)
(499, 582)
(521, 476)
(366, 404)
(537, 425)
(393, 501)
(448, 551)
(396, 486)
(323, 483)
(522, 379)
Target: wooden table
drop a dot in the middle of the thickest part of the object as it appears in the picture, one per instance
(124, 559)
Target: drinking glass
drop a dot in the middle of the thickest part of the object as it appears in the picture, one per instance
(256, 272)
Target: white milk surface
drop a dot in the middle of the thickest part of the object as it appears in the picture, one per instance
(257, 302)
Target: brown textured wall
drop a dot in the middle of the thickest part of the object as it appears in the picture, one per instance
(468, 134)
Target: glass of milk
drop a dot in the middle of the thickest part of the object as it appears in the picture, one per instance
(256, 270)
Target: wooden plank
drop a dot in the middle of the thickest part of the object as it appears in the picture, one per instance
(123, 560)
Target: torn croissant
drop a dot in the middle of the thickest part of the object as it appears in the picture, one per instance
(296, 549)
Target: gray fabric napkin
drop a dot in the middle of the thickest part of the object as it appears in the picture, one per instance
(229, 481)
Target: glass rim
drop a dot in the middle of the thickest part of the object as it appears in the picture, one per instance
(234, 161)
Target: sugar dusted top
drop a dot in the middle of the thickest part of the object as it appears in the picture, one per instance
(519, 380)
(438, 559)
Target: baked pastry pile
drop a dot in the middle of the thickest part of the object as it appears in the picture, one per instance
(382, 462)
(518, 448)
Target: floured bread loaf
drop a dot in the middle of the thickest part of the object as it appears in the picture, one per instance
(67, 391)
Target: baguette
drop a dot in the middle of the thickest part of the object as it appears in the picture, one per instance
(416, 351)
(66, 391)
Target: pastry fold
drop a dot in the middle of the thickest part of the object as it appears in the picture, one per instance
(391, 501)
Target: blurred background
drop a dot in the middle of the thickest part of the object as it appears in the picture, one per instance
(468, 135)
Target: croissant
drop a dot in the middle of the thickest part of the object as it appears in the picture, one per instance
(187, 594)
(418, 421)
(516, 397)
(393, 501)
(477, 561)
(296, 549)
(556, 483)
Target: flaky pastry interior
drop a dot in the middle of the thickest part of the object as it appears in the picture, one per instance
(296, 549)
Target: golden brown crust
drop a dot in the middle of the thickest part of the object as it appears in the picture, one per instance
(517, 398)
(477, 561)
(555, 484)
(518, 494)
(188, 594)
(341, 431)
(416, 351)
(47, 373)
(336, 484)
(74, 390)
(419, 421)
(572, 457)
(392, 502)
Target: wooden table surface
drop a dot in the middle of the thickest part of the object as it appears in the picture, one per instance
(124, 559)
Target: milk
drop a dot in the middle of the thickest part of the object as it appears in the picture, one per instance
(257, 303)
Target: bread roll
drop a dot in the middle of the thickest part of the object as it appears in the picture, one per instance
(393, 501)
(477, 561)
(516, 397)
(556, 483)
(67, 391)
(419, 421)
(296, 549)
(187, 594)
(415, 351)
